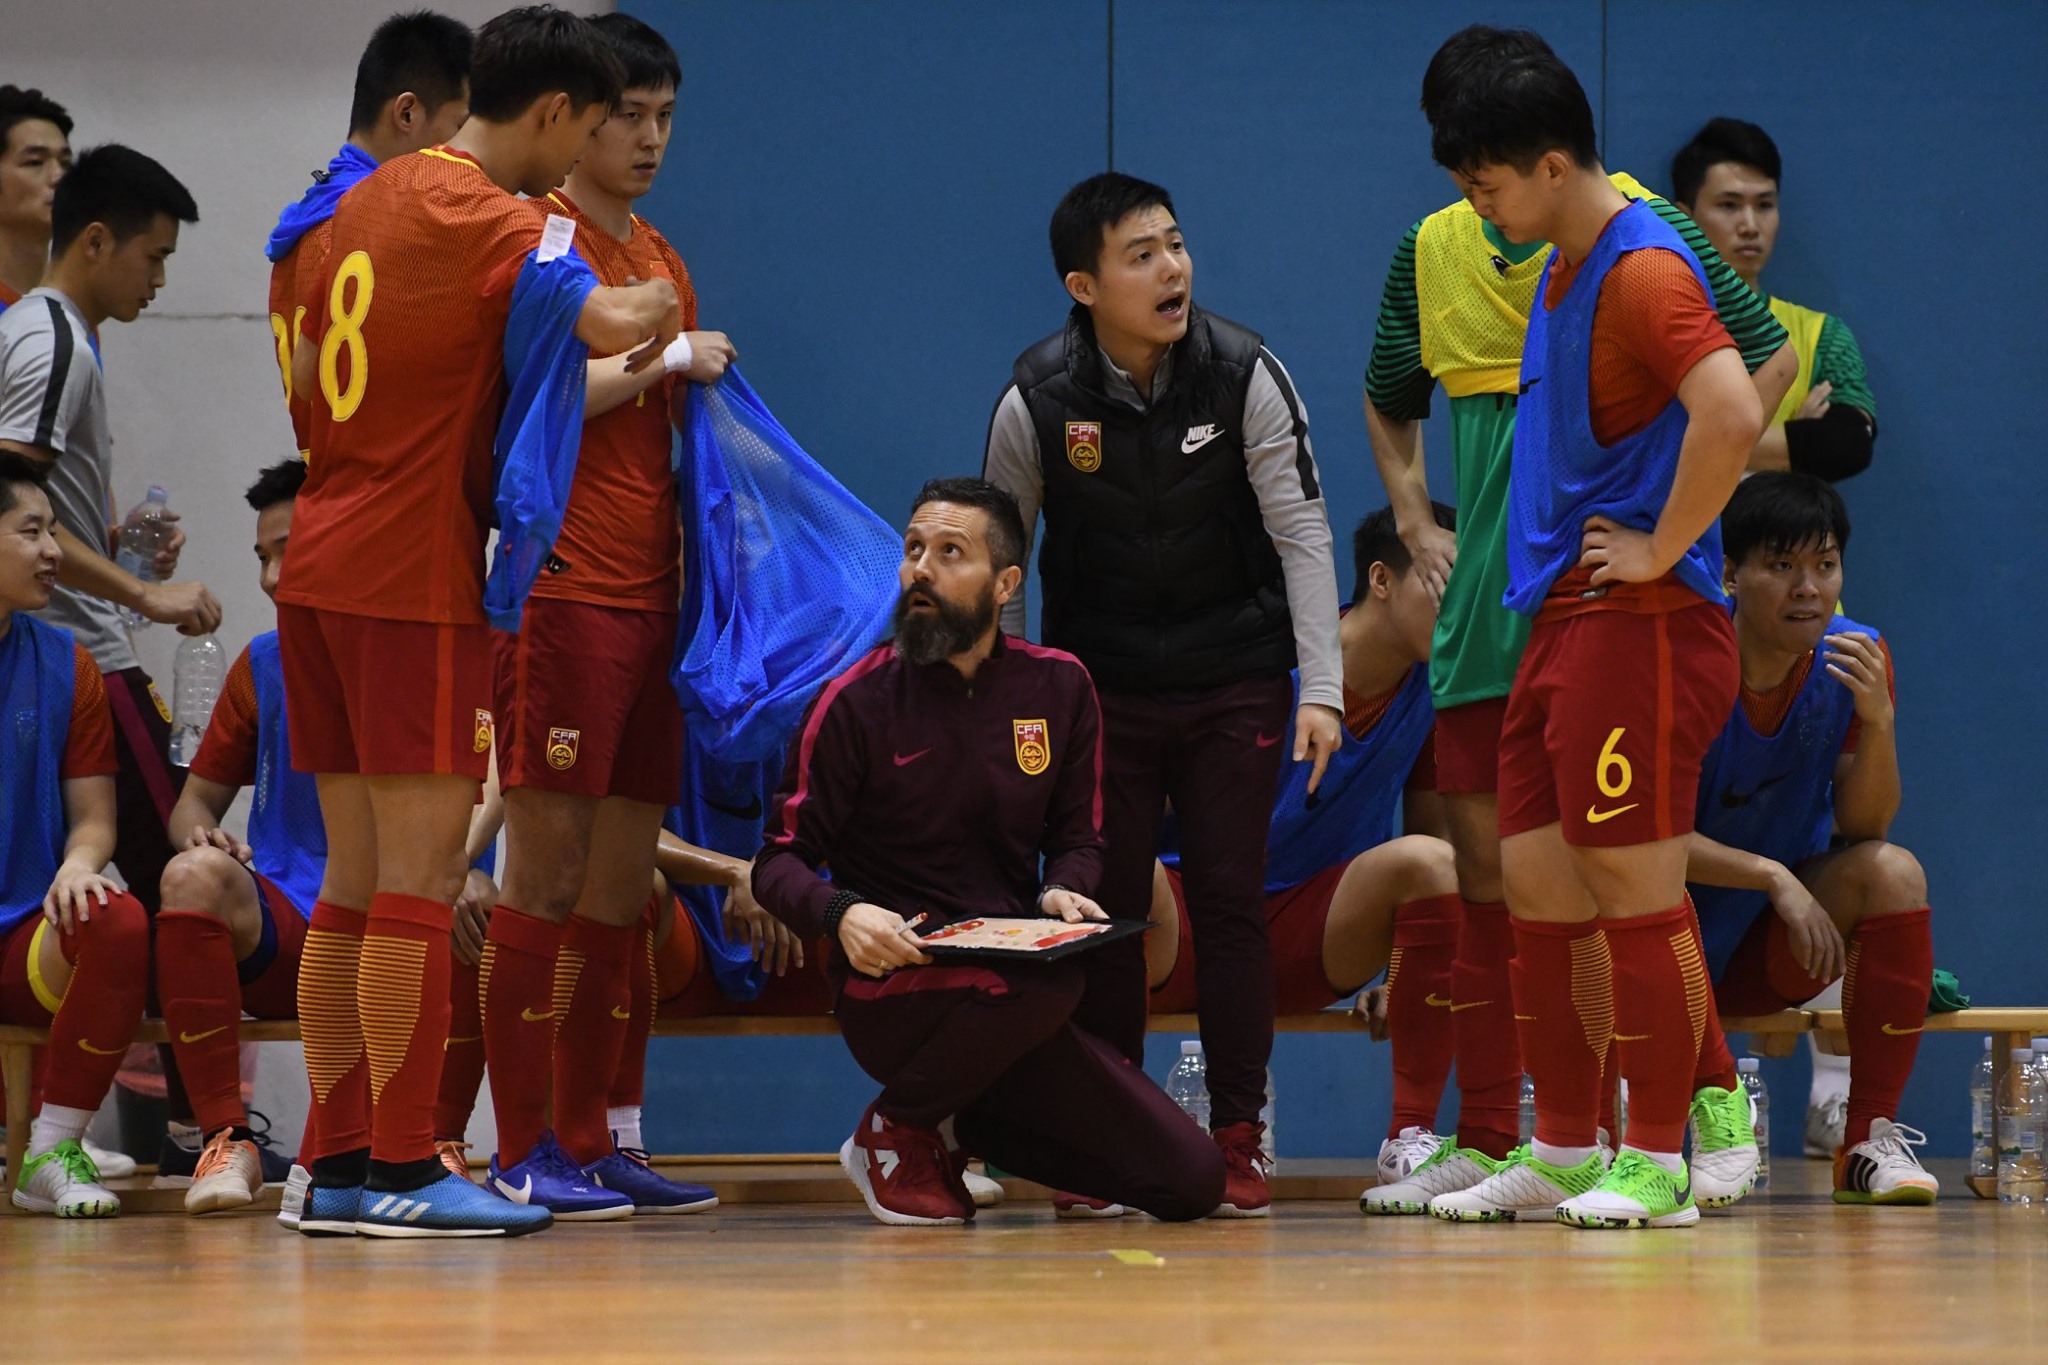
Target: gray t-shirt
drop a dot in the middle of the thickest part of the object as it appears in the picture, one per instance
(53, 395)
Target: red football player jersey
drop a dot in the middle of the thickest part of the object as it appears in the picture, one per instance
(620, 544)
(410, 321)
(293, 283)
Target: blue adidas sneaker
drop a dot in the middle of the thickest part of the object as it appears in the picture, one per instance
(548, 1179)
(626, 1171)
(330, 1210)
(450, 1207)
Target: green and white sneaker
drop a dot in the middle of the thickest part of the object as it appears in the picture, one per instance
(1448, 1169)
(64, 1181)
(1724, 1156)
(1522, 1185)
(1635, 1193)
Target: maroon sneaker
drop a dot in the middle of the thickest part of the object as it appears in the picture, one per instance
(905, 1174)
(1244, 1172)
(1065, 1205)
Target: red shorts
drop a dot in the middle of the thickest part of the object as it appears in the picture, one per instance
(685, 988)
(1468, 747)
(385, 698)
(584, 702)
(1763, 977)
(1295, 920)
(270, 975)
(1611, 716)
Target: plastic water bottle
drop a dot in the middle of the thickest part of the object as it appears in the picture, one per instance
(1759, 1116)
(1983, 1150)
(2022, 1115)
(1266, 1140)
(144, 533)
(1528, 1128)
(196, 680)
(1188, 1084)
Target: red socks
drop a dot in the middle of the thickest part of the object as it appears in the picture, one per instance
(201, 998)
(1662, 1001)
(109, 957)
(1884, 1004)
(1564, 1012)
(402, 994)
(1419, 1008)
(593, 991)
(519, 1011)
(1483, 1030)
(462, 1061)
(339, 1117)
(629, 1081)
(1717, 1063)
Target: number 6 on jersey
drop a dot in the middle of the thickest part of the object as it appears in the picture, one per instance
(345, 315)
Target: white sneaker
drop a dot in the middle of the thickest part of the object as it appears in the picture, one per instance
(113, 1165)
(230, 1175)
(1882, 1169)
(1447, 1170)
(1523, 1186)
(1724, 1152)
(1825, 1125)
(65, 1182)
(1065, 1205)
(294, 1202)
(1401, 1156)
(986, 1193)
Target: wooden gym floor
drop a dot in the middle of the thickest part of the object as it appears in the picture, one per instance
(1787, 1276)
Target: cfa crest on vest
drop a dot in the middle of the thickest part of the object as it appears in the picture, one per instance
(1034, 749)
(1084, 446)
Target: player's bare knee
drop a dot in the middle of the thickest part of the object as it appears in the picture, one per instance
(1430, 866)
(1888, 878)
(202, 881)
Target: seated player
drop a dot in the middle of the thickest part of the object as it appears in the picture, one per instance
(1345, 898)
(73, 947)
(933, 776)
(1810, 749)
(233, 924)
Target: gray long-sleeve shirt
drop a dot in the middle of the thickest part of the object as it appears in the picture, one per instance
(1276, 450)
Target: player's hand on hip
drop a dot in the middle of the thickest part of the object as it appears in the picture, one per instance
(1816, 943)
(1318, 732)
(166, 562)
(877, 941)
(1071, 906)
(1816, 404)
(1858, 663)
(1619, 554)
(188, 606)
(1433, 551)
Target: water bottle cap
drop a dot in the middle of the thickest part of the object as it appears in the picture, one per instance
(2023, 1054)
(1747, 1065)
(1987, 1042)
(1190, 1047)
(158, 494)
(2040, 1046)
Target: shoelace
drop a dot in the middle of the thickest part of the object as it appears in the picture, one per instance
(78, 1164)
(1900, 1142)
(1714, 1124)
(1834, 1112)
(215, 1155)
(1414, 1152)
(260, 1135)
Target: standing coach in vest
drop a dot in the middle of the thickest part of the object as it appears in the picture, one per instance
(1187, 562)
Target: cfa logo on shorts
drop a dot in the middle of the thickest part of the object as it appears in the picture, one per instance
(482, 742)
(1084, 446)
(1034, 750)
(562, 747)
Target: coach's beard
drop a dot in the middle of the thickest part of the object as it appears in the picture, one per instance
(947, 630)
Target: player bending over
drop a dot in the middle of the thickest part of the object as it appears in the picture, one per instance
(1795, 884)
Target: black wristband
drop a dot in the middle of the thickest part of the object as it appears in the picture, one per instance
(1048, 889)
(835, 911)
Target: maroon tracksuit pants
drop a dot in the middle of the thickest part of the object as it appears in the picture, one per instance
(1215, 754)
(997, 1052)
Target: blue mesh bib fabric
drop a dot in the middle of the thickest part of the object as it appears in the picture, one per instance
(1561, 475)
(1356, 804)
(285, 828)
(787, 577)
(1771, 795)
(38, 679)
(724, 807)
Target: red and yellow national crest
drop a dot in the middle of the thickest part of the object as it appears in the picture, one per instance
(1034, 749)
(482, 742)
(562, 746)
(1084, 446)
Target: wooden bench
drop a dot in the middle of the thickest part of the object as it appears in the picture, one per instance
(18, 1044)
(1771, 1035)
